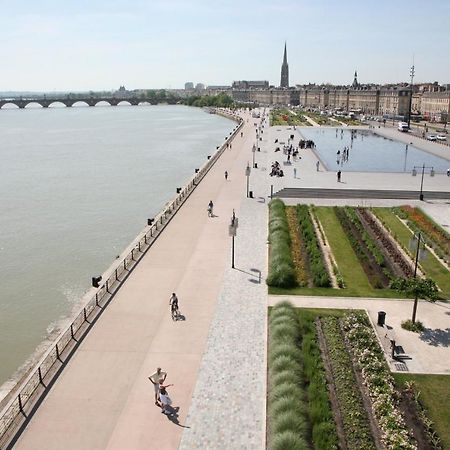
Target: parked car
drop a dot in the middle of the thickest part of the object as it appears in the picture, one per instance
(441, 137)
(432, 137)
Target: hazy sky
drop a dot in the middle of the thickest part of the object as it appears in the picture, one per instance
(101, 44)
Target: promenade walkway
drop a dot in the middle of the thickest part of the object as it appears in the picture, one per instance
(103, 399)
(216, 357)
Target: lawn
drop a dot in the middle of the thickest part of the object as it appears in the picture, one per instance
(435, 396)
(354, 276)
(432, 267)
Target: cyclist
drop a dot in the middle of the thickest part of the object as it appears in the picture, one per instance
(173, 302)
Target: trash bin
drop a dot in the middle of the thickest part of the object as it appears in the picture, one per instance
(381, 318)
(255, 166)
(250, 194)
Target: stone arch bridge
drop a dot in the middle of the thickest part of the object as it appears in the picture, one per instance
(68, 101)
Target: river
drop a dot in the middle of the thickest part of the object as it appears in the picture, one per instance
(76, 186)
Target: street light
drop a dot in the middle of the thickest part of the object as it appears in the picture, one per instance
(411, 72)
(247, 174)
(232, 229)
(414, 173)
(253, 151)
(420, 254)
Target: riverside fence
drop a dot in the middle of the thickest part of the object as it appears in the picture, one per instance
(40, 378)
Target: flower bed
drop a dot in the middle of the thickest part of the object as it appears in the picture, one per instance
(354, 416)
(419, 221)
(319, 273)
(365, 249)
(299, 255)
(392, 252)
(379, 382)
(281, 266)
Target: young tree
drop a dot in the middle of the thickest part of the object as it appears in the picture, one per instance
(424, 288)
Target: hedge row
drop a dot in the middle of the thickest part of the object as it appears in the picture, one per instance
(317, 266)
(287, 416)
(281, 265)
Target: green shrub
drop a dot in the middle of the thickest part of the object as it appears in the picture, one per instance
(285, 389)
(288, 440)
(286, 349)
(416, 327)
(289, 421)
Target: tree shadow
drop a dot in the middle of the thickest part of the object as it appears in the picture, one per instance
(437, 337)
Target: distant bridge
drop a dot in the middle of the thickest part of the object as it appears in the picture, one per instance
(69, 101)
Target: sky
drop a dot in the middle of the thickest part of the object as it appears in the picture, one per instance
(79, 45)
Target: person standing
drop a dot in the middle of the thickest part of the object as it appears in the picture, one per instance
(166, 401)
(339, 176)
(210, 208)
(317, 166)
(295, 172)
(226, 175)
(157, 378)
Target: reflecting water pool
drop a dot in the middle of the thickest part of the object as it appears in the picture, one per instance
(368, 152)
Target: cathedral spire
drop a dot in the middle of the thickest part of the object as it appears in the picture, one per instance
(284, 70)
(355, 80)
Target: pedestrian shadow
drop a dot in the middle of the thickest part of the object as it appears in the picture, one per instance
(173, 416)
(180, 317)
(437, 337)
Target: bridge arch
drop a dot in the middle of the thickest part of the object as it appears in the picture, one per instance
(101, 103)
(10, 105)
(56, 104)
(80, 103)
(124, 102)
(32, 103)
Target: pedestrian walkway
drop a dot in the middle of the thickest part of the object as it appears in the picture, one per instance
(228, 405)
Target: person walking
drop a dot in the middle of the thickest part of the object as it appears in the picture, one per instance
(210, 208)
(339, 176)
(295, 172)
(157, 378)
(226, 175)
(173, 302)
(317, 166)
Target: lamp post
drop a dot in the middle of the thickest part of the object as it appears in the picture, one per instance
(247, 174)
(411, 72)
(414, 173)
(232, 229)
(253, 152)
(420, 253)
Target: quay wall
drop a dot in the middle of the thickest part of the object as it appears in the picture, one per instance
(24, 396)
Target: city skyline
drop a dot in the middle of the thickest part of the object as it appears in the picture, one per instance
(101, 45)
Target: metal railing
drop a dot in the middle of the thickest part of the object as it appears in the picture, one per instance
(26, 394)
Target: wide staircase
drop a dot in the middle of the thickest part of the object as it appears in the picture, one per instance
(360, 193)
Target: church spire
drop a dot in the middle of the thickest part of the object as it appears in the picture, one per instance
(355, 80)
(284, 70)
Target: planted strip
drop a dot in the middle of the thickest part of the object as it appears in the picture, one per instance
(354, 416)
(319, 272)
(286, 409)
(379, 382)
(281, 266)
(371, 265)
